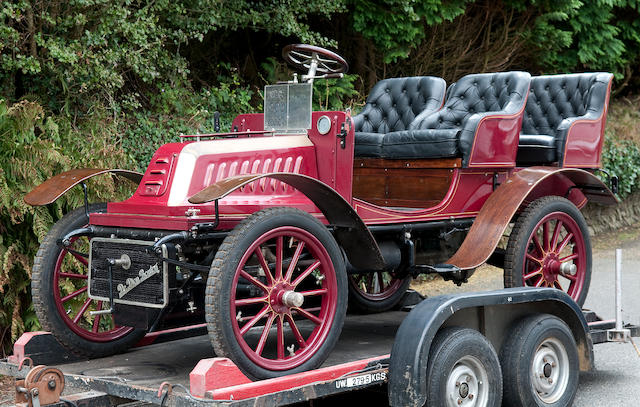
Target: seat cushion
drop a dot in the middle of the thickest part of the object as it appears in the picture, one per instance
(536, 149)
(368, 144)
(428, 143)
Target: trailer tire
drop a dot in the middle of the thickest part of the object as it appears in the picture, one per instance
(463, 367)
(532, 260)
(540, 363)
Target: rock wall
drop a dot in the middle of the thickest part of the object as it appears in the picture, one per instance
(606, 218)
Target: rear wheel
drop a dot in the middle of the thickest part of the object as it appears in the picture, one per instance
(376, 292)
(277, 294)
(540, 363)
(550, 247)
(463, 370)
(59, 290)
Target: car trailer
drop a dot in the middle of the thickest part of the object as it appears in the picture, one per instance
(544, 339)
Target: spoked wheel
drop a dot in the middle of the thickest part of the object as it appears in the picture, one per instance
(540, 363)
(376, 292)
(463, 370)
(276, 294)
(550, 247)
(59, 290)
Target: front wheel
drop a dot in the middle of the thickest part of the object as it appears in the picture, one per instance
(276, 294)
(540, 363)
(550, 247)
(60, 300)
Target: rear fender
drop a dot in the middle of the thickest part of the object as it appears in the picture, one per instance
(525, 185)
(349, 229)
(490, 313)
(56, 186)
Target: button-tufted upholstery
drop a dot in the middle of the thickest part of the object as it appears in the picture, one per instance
(393, 105)
(450, 132)
(555, 103)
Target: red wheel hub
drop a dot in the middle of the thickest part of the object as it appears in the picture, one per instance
(284, 325)
(554, 246)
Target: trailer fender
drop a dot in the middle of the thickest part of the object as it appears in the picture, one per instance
(491, 313)
(349, 229)
(504, 202)
(56, 186)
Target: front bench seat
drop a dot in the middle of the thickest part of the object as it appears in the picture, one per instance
(555, 104)
(393, 105)
(451, 131)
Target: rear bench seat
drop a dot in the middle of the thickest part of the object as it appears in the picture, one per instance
(450, 132)
(555, 104)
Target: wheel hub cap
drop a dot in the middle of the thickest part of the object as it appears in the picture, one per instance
(467, 383)
(550, 372)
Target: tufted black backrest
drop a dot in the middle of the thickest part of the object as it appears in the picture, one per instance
(394, 103)
(553, 98)
(478, 93)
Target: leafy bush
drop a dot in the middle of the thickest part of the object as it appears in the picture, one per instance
(33, 147)
(622, 159)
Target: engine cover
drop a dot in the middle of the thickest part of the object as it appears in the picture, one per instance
(142, 279)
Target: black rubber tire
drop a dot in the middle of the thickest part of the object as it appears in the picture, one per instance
(42, 292)
(449, 346)
(517, 356)
(223, 268)
(523, 227)
(363, 305)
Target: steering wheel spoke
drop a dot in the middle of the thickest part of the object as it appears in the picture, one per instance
(302, 56)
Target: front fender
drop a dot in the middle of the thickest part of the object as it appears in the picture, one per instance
(504, 202)
(349, 229)
(492, 313)
(56, 186)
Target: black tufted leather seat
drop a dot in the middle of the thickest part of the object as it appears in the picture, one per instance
(555, 103)
(450, 132)
(393, 105)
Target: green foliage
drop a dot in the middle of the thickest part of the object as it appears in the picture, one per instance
(622, 158)
(33, 147)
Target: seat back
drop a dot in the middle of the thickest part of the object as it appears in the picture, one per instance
(556, 98)
(395, 102)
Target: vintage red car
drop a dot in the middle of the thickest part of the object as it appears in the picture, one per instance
(273, 228)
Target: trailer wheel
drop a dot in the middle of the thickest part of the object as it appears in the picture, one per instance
(277, 294)
(550, 247)
(540, 363)
(59, 291)
(376, 292)
(463, 370)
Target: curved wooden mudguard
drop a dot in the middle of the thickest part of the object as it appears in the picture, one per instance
(55, 187)
(349, 229)
(498, 210)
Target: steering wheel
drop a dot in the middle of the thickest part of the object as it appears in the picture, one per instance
(304, 56)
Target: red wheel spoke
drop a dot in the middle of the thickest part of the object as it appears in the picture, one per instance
(532, 258)
(532, 274)
(81, 259)
(569, 277)
(380, 281)
(545, 236)
(538, 246)
(294, 261)
(296, 332)
(280, 336)
(569, 257)
(82, 311)
(264, 265)
(540, 282)
(253, 281)
(73, 275)
(309, 316)
(565, 242)
(305, 273)
(556, 234)
(254, 320)
(320, 291)
(279, 254)
(369, 279)
(96, 321)
(73, 294)
(249, 301)
(265, 334)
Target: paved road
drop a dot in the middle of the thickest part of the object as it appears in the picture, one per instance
(616, 381)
